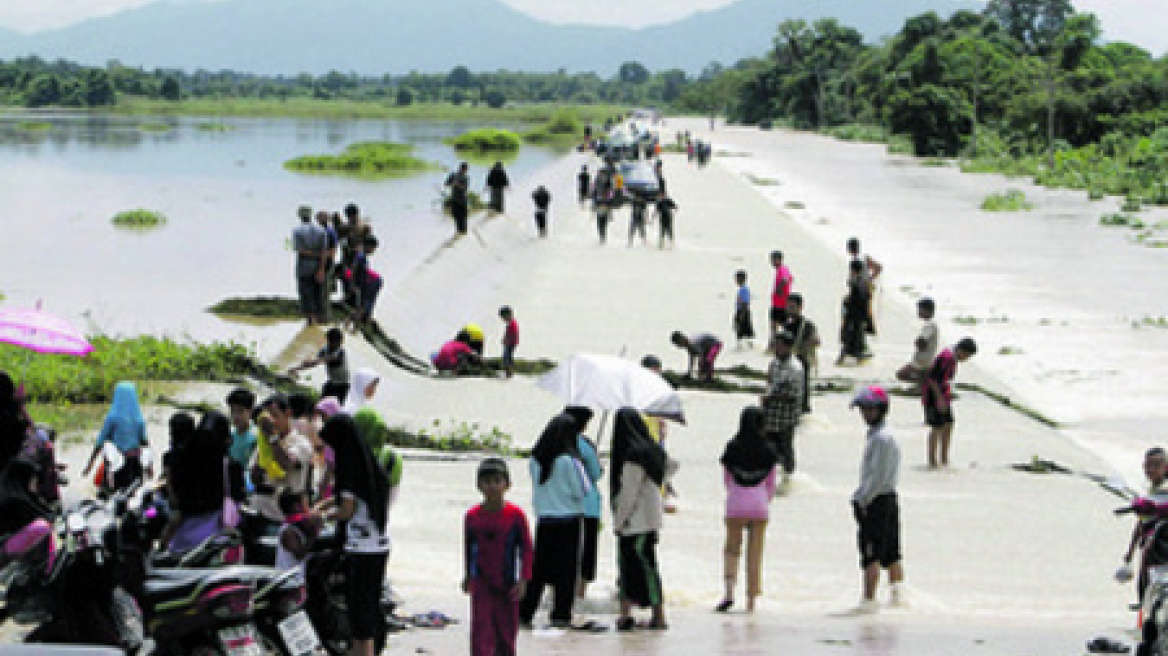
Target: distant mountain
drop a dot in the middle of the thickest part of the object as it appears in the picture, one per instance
(398, 36)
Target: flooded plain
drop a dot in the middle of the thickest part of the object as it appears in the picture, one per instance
(230, 207)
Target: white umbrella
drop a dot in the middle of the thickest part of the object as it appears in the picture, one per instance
(607, 382)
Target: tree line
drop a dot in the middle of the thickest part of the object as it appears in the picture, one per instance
(1022, 76)
(35, 82)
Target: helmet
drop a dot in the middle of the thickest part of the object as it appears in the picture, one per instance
(872, 396)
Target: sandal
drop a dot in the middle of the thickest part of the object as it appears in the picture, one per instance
(625, 624)
(724, 605)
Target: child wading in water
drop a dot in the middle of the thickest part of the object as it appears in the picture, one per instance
(498, 557)
(743, 324)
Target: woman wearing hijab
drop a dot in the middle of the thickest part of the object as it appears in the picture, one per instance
(362, 503)
(639, 468)
(201, 479)
(125, 430)
(362, 388)
(748, 465)
(559, 487)
(376, 434)
(325, 460)
(14, 423)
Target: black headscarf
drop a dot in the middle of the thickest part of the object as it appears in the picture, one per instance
(19, 506)
(632, 442)
(357, 469)
(558, 438)
(749, 457)
(14, 422)
(198, 466)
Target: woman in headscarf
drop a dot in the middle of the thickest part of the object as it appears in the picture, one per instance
(362, 388)
(126, 431)
(376, 434)
(201, 479)
(324, 460)
(14, 423)
(639, 468)
(748, 465)
(362, 503)
(590, 524)
(559, 487)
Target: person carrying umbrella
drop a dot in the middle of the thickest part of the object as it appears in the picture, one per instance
(126, 431)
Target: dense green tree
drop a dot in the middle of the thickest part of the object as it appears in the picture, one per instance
(632, 72)
(171, 89)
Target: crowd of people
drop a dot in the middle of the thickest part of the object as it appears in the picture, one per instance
(332, 255)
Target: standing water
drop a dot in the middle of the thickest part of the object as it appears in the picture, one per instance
(230, 208)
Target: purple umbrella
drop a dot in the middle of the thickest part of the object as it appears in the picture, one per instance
(41, 332)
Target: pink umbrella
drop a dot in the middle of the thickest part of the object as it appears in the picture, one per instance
(41, 332)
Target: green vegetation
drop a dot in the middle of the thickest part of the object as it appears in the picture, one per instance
(139, 218)
(486, 140)
(858, 132)
(562, 128)
(368, 159)
(34, 126)
(266, 307)
(454, 436)
(1118, 219)
(60, 388)
(214, 127)
(1013, 200)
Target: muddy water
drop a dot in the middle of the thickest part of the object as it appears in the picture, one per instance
(230, 206)
(1066, 311)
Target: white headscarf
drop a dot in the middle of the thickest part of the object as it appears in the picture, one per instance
(358, 383)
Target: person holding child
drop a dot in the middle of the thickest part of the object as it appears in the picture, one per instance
(497, 553)
(749, 474)
(640, 468)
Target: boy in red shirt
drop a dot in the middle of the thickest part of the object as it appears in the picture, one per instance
(510, 338)
(498, 551)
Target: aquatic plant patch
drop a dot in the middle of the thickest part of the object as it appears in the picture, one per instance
(1012, 200)
(486, 140)
(139, 218)
(368, 159)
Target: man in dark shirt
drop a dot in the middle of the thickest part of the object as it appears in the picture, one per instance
(458, 182)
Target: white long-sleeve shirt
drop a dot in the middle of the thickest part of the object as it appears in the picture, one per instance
(880, 467)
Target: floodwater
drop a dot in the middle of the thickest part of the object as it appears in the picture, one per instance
(1067, 313)
(230, 206)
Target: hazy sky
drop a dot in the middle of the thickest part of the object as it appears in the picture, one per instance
(1139, 21)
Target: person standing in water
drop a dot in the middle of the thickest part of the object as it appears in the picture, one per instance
(497, 183)
(874, 503)
(543, 200)
(458, 183)
(583, 184)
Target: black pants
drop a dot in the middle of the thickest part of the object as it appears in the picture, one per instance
(459, 212)
(557, 558)
(541, 222)
(602, 225)
(784, 443)
(339, 391)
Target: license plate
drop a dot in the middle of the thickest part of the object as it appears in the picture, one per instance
(240, 641)
(299, 636)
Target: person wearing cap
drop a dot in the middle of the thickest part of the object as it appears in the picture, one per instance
(937, 398)
(874, 502)
(783, 401)
(310, 242)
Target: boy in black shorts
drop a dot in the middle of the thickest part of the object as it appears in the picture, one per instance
(937, 398)
(874, 502)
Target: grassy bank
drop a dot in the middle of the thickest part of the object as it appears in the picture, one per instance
(314, 108)
(65, 390)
